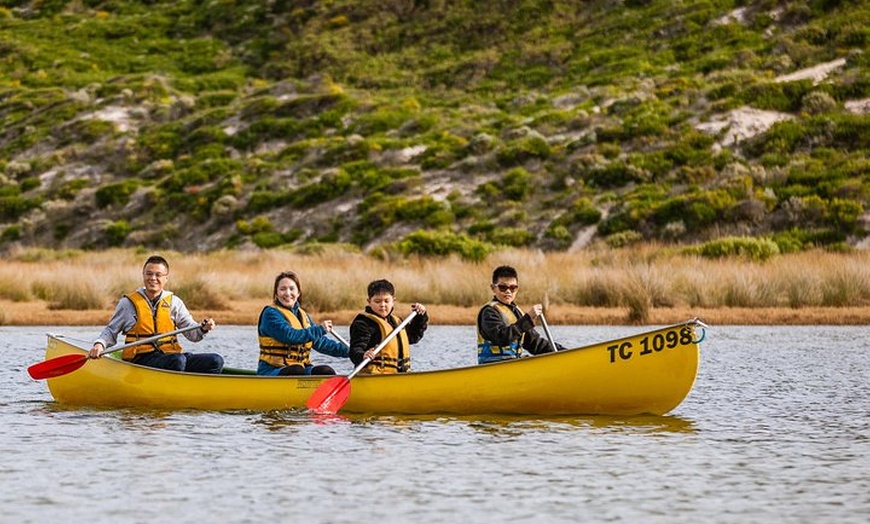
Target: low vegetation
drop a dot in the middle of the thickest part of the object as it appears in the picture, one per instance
(425, 127)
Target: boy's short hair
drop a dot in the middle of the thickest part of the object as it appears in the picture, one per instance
(504, 272)
(156, 259)
(381, 287)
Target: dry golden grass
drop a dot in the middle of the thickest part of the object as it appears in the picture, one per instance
(645, 285)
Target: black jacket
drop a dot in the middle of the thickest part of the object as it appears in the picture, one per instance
(492, 326)
(365, 333)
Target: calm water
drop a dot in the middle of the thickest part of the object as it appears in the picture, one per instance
(776, 428)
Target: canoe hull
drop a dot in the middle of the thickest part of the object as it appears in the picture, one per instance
(648, 373)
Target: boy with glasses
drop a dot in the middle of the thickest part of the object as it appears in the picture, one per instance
(503, 330)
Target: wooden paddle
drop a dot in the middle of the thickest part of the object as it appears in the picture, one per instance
(330, 396)
(547, 331)
(64, 364)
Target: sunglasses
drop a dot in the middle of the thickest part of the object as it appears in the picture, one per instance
(504, 288)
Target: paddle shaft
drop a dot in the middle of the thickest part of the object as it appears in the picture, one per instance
(547, 331)
(339, 338)
(383, 343)
(150, 339)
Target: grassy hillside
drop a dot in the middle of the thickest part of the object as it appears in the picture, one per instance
(434, 127)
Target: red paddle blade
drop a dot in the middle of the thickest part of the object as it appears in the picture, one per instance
(57, 366)
(330, 396)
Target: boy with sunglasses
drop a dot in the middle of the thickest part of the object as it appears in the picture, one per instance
(503, 330)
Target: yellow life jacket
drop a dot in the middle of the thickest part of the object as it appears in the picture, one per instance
(150, 322)
(279, 354)
(387, 361)
(489, 352)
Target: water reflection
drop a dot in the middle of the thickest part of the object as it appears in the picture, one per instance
(495, 425)
(506, 425)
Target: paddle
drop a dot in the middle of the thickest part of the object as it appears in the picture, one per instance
(547, 331)
(330, 396)
(64, 364)
(339, 338)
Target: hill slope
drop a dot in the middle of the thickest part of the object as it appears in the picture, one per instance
(199, 125)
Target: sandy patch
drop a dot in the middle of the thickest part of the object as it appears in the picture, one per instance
(120, 116)
(816, 73)
(858, 107)
(741, 123)
(736, 16)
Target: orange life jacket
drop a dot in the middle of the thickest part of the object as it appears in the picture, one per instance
(150, 322)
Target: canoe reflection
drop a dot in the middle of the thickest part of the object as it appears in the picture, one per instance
(493, 424)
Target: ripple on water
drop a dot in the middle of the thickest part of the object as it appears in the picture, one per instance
(776, 428)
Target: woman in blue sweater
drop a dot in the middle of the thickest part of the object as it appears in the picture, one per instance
(287, 334)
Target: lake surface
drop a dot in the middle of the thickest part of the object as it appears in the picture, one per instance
(777, 428)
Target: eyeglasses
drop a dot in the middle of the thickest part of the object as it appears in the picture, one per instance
(504, 288)
(154, 275)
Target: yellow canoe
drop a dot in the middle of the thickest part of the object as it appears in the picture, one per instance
(648, 373)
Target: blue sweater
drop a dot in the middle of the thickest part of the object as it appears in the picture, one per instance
(273, 324)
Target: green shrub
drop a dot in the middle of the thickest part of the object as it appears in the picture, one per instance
(163, 142)
(379, 212)
(11, 233)
(839, 130)
(512, 236)
(523, 149)
(613, 175)
(200, 55)
(791, 241)
(381, 120)
(12, 207)
(117, 232)
(559, 234)
(261, 201)
(268, 239)
(694, 210)
(211, 99)
(844, 214)
(758, 249)
(28, 182)
(517, 184)
(118, 193)
(584, 212)
(623, 238)
(307, 106)
(10, 191)
(374, 178)
(332, 185)
(444, 243)
(68, 189)
(261, 107)
(777, 96)
(693, 149)
(258, 225)
(818, 102)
